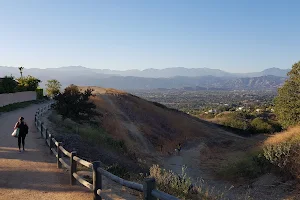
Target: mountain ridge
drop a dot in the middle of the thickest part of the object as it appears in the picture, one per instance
(211, 79)
(155, 73)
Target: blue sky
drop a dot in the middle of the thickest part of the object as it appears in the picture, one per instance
(235, 36)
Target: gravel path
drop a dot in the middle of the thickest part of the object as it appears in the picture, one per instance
(32, 174)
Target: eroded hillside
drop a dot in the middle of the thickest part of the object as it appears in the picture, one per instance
(149, 127)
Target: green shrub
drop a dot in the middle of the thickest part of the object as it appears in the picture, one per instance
(276, 126)
(283, 151)
(180, 185)
(28, 83)
(170, 182)
(251, 166)
(260, 126)
(7, 84)
(75, 105)
(39, 93)
(278, 154)
(236, 123)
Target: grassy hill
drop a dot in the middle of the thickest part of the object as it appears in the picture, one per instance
(149, 127)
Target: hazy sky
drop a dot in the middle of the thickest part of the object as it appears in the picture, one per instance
(236, 36)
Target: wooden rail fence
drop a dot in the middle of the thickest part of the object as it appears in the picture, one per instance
(148, 188)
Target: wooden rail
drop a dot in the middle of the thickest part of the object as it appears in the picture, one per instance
(129, 184)
(83, 162)
(148, 188)
(82, 181)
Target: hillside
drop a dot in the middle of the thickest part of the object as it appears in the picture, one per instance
(150, 132)
(150, 125)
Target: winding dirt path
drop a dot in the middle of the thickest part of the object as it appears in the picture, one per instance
(32, 174)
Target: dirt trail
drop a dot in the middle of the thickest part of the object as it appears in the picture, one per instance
(33, 174)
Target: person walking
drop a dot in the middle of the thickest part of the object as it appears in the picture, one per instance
(178, 149)
(23, 131)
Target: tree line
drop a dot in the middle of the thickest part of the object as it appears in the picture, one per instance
(9, 84)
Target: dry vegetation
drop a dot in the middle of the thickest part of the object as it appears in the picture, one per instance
(152, 125)
(290, 135)
(283, 151)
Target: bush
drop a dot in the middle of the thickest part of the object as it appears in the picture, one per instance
(53, 88)
(245, 123)
(236, 123)
(170, 182)
(75, 105)
(260, 126)
(251, 166)
(39, 93)
(180, 185)
(283, 151)
(280, 152)
(7, 84)
(28, 83)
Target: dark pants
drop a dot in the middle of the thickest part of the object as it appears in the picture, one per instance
(21, 137)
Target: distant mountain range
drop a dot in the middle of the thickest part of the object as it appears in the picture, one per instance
(156, 78)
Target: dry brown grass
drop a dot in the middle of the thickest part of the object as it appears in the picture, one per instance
(160, 126)
(289, 135)
(99, 90)
(283, 151)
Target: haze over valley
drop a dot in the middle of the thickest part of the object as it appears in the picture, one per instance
(196, 78)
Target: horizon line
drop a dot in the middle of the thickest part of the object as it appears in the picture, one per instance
(80, 66)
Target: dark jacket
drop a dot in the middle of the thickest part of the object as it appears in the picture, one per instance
(23, 128)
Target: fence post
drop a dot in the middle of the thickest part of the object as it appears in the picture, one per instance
(46, 136)
(73, 165)
(50, 142)
(58, 155)
(97, 180)
(42, 129)
(149, 185)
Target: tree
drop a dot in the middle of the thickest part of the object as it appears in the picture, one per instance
(21, 71)
(7, 84)
(287, 103)
(74, 104)
(28, 83)
(53, 87)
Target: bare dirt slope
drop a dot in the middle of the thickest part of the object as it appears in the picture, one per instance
(150, 125)
(32, 174)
